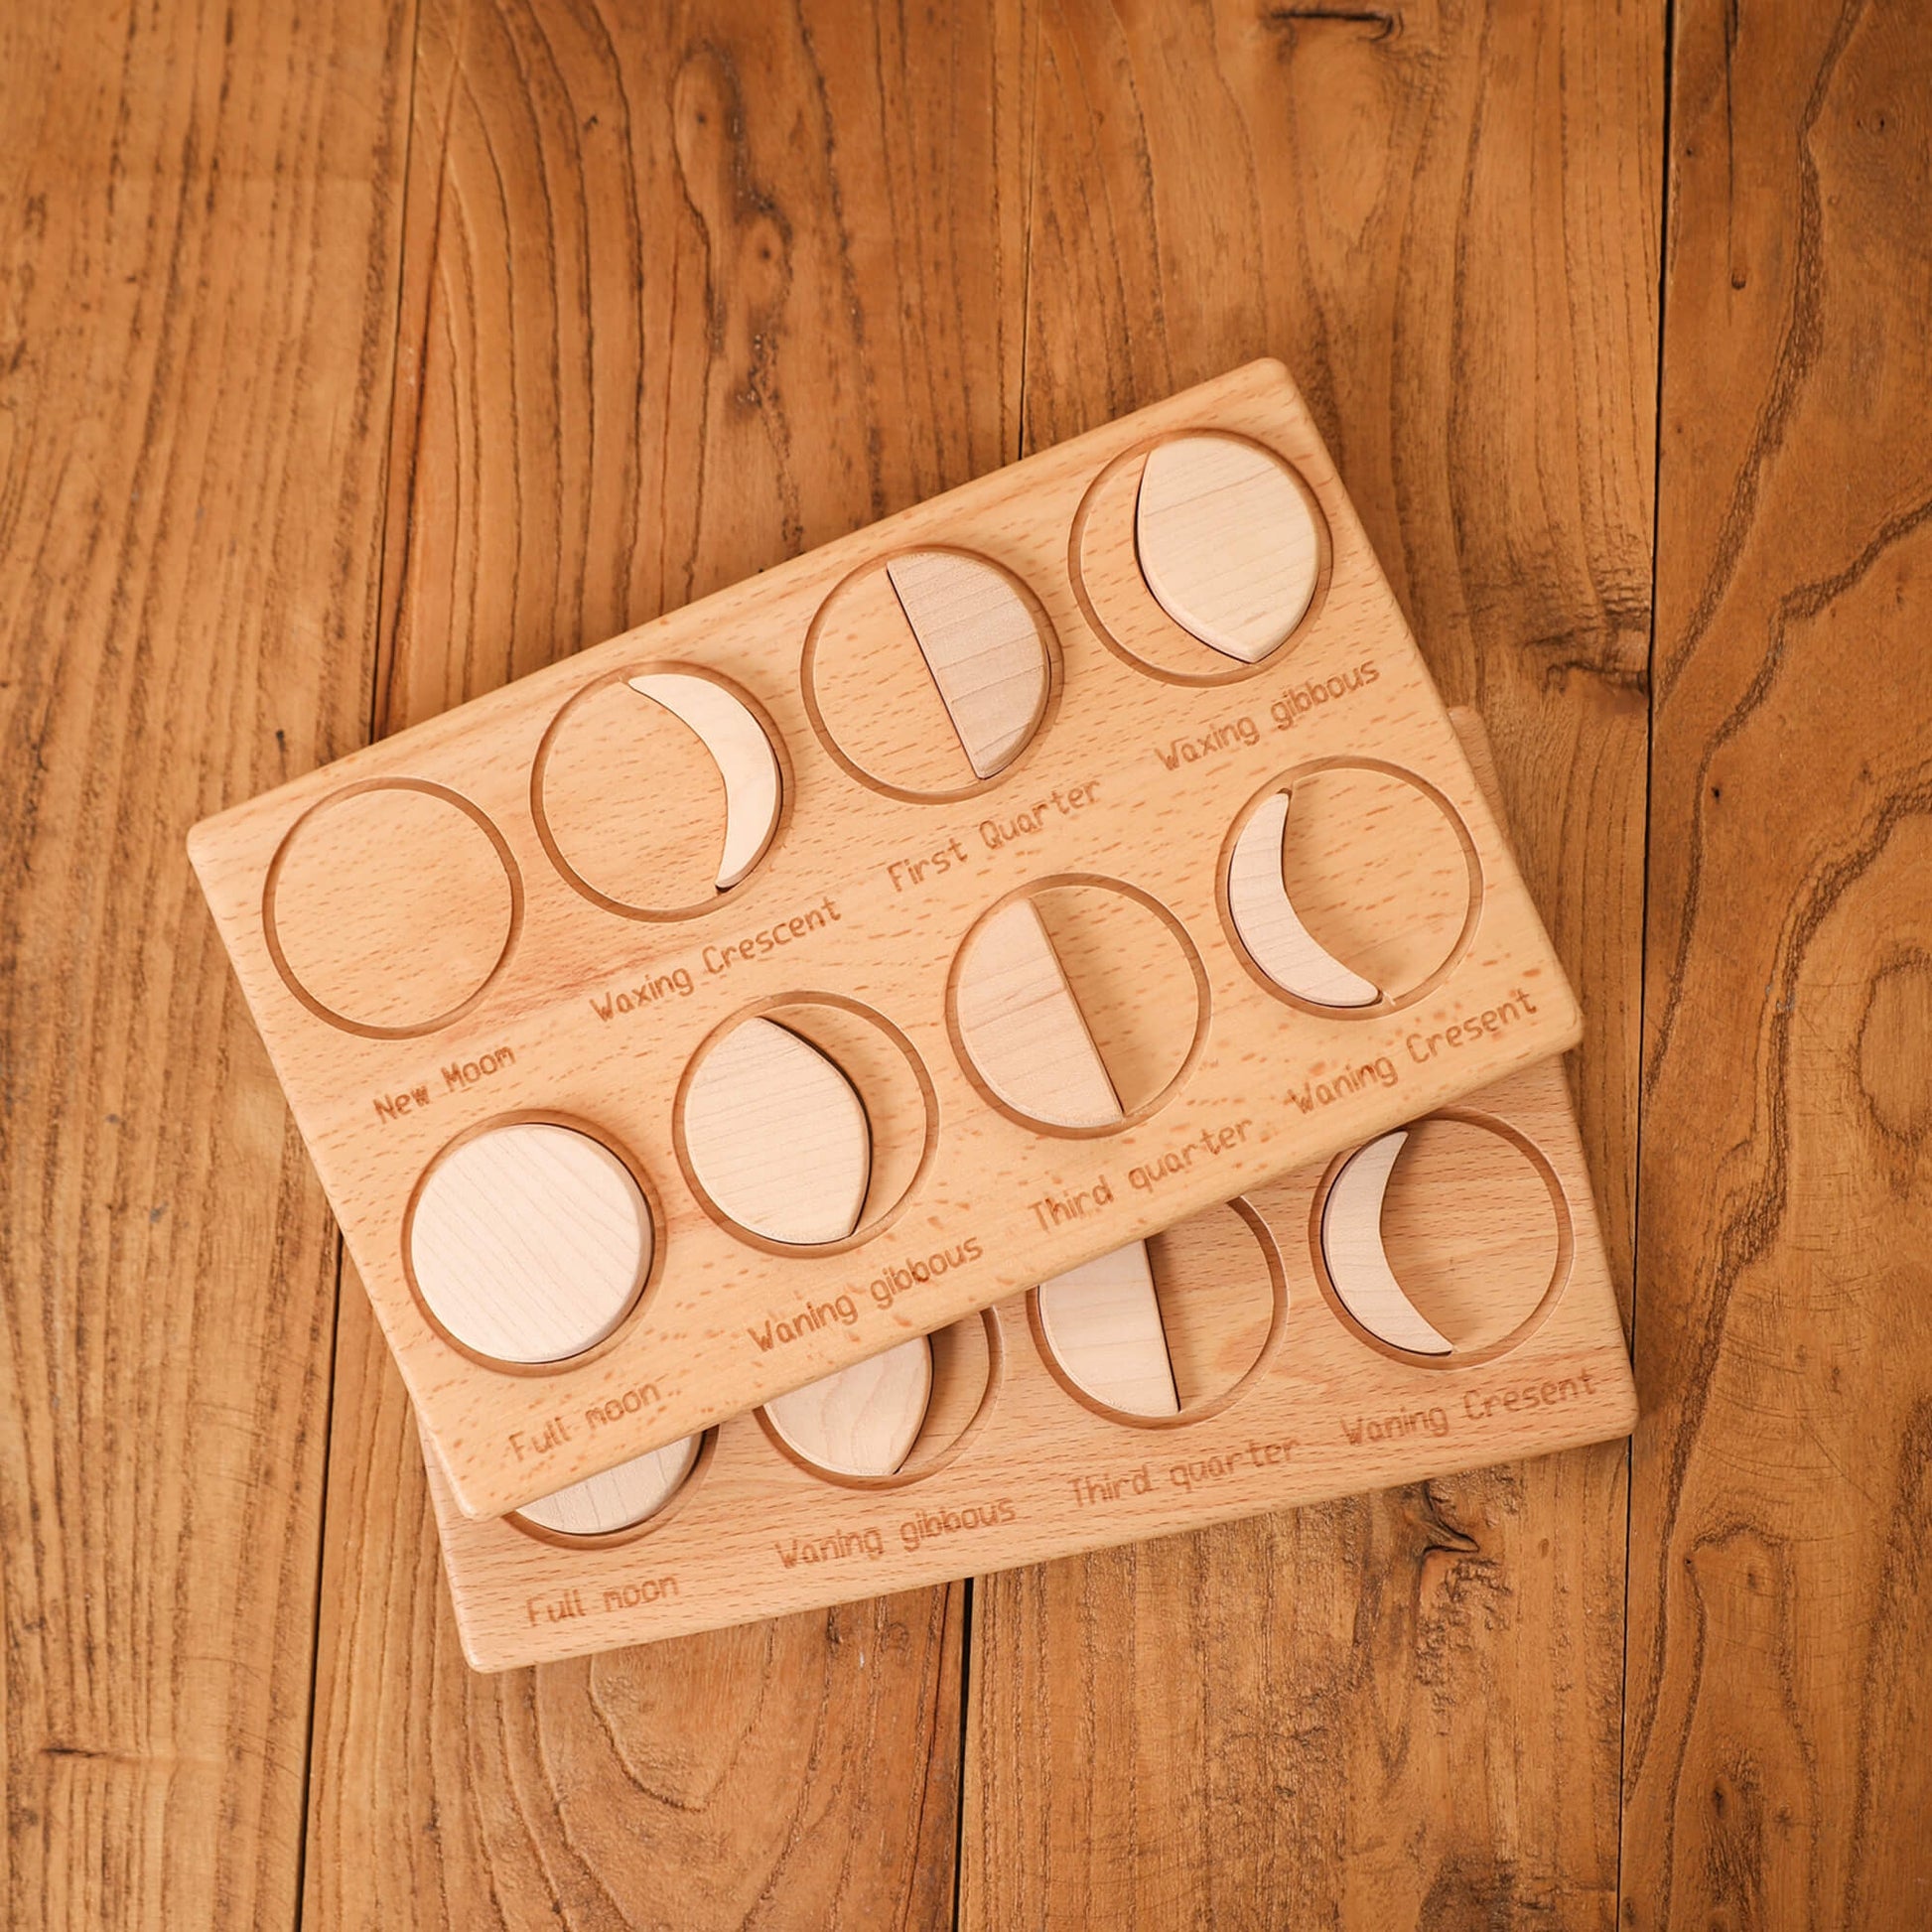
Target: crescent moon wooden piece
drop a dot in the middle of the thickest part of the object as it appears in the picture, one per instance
(616, 1499)
(1351, 1244)
(1271, 928)
(864, 1420)
(743, 757)
(1227, 543)
(778, 1136)
(1022, 1028)
(982, 646)
(1102, 1322)
(529, 1242)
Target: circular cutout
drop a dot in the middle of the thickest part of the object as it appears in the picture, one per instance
(1077, 1005)
(961, 1379)
(528, 1242)
(928, 675)
(1445, 1242)
(1246, 563)
(610, 1505)
(656, 789)
(390, 907)
(805, 1121)
(1167, 1331)
(1350, 887)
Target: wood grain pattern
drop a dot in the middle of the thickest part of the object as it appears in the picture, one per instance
(684, 291)
(197, 281)
(1781, 1519)
(826, 327)
(1448, 223)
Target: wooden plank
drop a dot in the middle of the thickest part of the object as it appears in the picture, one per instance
(695, 289)
(1448, 227)
(1780, 1684)
(200, 253)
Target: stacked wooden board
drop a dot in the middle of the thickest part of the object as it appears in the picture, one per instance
(925, 931)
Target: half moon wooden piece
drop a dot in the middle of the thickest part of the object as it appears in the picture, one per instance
(1352, 1245)
(616, 1499)
(778, 1136)
(860, 1420)
(1227, 543)
(1269, 927)
(529, 1243)
(743, 757)
(1021, 1027)
(1102, 1320)
(983, 647)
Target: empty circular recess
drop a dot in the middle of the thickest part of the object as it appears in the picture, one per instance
(928, 675)
(1246, 562)
(528, 1241)
(657, 788)
(390, 907)
(613, 1503)
(1378, 890)
(855, 1417)
(1167, 1331)
(804, 1121)
(1077, 1005)
(1446, 1242)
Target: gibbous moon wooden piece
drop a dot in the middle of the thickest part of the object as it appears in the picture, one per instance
(529, 1242)
(1269, 927)
(864, 1420)
(1102, 1322)
(778, 1136)
(620, 1498)
(1352, 1245)
(744, 756)
(1021, 1027)
(1227, 543)
(983, 647)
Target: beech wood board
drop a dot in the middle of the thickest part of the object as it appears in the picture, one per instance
(561, 1008)
(1040, 1473)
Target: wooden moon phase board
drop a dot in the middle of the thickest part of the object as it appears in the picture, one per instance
(1495, 1230)
(1041, 1473)
(436, 944)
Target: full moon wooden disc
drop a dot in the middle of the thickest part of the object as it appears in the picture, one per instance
(529, 1242)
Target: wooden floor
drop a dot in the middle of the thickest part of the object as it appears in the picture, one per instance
(357, 357)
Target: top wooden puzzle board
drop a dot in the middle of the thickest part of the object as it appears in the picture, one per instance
(1092, 834)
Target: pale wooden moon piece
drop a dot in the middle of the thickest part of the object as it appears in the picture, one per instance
(1352, 1245)
(1022, 1025)
(982, 646)
(620, 1498)
(1271, 928)
(860, 1420)
(778, 1136)
(743, 757)
(1102, 1322)
(1227, 543)
(530, 1242)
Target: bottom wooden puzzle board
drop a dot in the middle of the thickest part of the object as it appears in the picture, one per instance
(1015, 1465)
